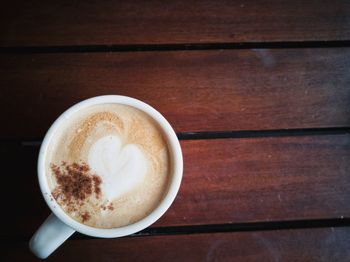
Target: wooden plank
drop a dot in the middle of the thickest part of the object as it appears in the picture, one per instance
(264, 179)
(196, 90)
(28, 23)
(236, 180)
(327, 244)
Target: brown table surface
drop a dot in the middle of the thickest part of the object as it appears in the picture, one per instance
(257, 91)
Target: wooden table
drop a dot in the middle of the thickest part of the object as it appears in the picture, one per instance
(257, 91)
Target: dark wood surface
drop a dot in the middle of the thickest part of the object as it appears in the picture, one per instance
(33, 23)
(293, 179)
(195, 90)
(262, 112)
(281, 245)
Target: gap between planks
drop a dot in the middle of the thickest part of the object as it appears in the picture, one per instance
(221, 228)
(170, 47)
(231, 134)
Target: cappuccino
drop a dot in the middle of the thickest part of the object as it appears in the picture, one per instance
(108, 165)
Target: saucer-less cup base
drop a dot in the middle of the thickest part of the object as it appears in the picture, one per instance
(58, 227)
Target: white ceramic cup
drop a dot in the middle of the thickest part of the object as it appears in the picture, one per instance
(58, 227)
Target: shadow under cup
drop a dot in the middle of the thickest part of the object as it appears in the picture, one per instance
(42, 243)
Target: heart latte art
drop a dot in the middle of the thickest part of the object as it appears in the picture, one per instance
(120, 167)
(108, 166)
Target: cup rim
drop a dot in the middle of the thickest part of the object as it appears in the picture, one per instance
(175, 153)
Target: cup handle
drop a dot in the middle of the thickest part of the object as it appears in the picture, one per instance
(50, 235)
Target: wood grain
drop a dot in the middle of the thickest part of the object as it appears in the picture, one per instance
(225, 181)
(328, 244)
(32, 23)
(195, 90)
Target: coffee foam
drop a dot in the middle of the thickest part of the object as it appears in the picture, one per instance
(126, 149)
(120, 167)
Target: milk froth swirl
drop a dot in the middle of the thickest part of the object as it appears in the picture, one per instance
(119, 154)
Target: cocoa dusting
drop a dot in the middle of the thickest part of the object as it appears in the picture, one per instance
(85, 216)
(55, 194)
(110, 207)
(97, 183)
(75, 183)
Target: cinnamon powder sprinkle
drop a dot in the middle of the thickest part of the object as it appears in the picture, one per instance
(85, 216)
(97, 183)
(75, 183)
(110, 207)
